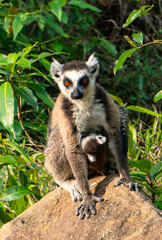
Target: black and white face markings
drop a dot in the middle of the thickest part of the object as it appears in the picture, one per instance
(77, 87)
(76, 77)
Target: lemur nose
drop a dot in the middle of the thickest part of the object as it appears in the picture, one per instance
(76, 94)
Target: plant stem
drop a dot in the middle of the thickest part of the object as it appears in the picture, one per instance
(158, 41)
(21, 121)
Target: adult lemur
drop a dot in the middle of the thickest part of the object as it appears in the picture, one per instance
(83, 107)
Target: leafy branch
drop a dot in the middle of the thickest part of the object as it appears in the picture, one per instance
(21, 120)
(137, 37)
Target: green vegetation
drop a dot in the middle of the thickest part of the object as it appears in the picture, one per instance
(32, 32)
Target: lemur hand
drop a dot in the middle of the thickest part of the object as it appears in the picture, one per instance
(88, 206)
(129, 184)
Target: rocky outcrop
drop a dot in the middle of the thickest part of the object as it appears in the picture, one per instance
(124, 215)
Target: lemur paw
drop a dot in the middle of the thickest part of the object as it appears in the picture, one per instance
(88, 206)
(76, 195)
(132, 186)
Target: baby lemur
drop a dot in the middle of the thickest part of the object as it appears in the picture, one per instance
(83, 107)
(92, 145)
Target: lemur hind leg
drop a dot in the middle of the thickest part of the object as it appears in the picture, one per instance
(119, 147)
(58, 166)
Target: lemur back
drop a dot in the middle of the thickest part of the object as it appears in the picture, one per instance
(83, 107)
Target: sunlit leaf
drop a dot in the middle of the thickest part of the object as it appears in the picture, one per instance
(24, 63)
(7, 106)
(12, 57)
(144, 165)
(137, 176)
(56, 9)
(138, 37)
(143, 110)
(3, 58)
(123, 58)
(132, 139)
(8, 159)
(117, 99)
(28, 50)
(156, 169)
(15, 192)
(158, 96)
(130, 41)
(137, 13)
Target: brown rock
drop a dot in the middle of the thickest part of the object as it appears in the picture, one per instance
(124, 215)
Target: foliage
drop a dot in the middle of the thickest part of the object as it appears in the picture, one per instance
(149, 171)
(137, 37)
(144, 155)
(32, 32)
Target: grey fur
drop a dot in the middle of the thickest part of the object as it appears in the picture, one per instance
(65, 158)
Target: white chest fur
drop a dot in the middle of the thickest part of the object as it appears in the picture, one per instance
(90, 118)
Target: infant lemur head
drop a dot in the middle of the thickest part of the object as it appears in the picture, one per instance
(92, 145)
(76, 79)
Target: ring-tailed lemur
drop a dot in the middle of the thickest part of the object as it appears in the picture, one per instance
(83, 106)
(93, 144)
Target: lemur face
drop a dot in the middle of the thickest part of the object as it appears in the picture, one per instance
(75, 79)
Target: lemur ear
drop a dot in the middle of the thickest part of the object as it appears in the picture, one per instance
(56, 70)
(93, 64)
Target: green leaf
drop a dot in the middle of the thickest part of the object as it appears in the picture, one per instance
(84, 5)
(18, 23)
(158, 96)
(16, 147)
(27, 95)
(5, 214)
(7, 106)
(9, 66)
(62, 2)
(138, 37)
(123, 58)
(15, 192)
(24, 63)
(137, 13)
(130, 41)
(8, 159)
(12, 57)
(137, 176)
(156, 169)
(6, 25)
(109, 47)
(151, 189)
(45, 63)
(132, 139)
(54, 25)
(19, 205)
(117, 99)
(158, 204)
(42, 94)
(28, 50)
(143, 110)
(56, 9)
(144, 165)
(3, 58)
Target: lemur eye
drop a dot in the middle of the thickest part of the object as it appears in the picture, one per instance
(67, 83)
(57, 75)
(84, 81)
